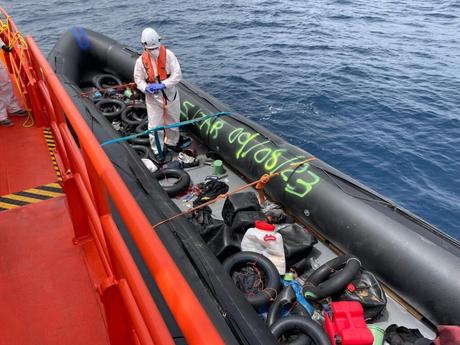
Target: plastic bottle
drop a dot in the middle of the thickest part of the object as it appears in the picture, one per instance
(97, 96)
(128, 93)
(264, 240)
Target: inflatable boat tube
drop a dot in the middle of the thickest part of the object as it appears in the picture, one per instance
(182, 183)
(286, 296)
(272, 282)
(390, 241)
(331, 278)
(304, 325)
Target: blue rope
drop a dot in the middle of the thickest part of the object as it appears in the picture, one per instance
(174, 125)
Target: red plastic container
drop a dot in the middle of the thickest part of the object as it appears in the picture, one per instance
(347, 326)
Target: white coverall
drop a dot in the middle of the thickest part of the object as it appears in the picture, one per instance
(155, 102)
(8, 102)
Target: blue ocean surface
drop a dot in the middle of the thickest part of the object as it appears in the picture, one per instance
(370, 87)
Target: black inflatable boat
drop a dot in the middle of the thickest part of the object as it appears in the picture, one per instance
(418, 264)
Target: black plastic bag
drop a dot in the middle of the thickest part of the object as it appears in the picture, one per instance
(243, 220)
(298, 243)
(208, 225)
(246, 201)
(367, 290)
(224, 243)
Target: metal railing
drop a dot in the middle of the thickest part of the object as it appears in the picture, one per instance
(87, 178)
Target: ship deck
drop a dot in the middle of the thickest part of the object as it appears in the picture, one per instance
(47, 282)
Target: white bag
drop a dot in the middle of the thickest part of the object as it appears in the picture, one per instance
(264, 240)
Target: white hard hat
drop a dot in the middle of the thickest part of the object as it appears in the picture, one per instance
(150, 38)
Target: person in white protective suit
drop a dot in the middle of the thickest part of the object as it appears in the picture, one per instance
(8, 103)
(156, 73)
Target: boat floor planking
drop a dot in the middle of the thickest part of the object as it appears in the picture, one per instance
(394, 313)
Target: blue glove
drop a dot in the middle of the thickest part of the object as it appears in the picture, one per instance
(154, 88)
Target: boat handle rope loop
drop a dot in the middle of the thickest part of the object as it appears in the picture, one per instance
(259, 185)
(160, 128)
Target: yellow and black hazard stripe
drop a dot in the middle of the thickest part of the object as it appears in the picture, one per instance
(30, 196)
(51, 148)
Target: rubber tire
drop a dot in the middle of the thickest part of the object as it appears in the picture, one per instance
(285, 297)
(141, 149)
(135, 108)
(321, 283)
(273, 285)
(142, 140)
(301, 339)
(180, 186)
(305, 325)
(98, 81)
(121, 106)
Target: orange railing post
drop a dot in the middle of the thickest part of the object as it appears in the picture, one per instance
(80, 220)
(119, 323)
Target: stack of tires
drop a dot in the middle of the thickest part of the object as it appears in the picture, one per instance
(124, 108)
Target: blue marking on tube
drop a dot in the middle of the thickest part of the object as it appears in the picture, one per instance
(85, 38)
(81, 38)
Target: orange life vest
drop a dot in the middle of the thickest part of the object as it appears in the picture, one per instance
(161, 65)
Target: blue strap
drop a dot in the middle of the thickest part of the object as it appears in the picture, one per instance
(298, 292)
(158, 145)
(159, 128)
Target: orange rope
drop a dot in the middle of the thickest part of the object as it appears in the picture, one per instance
(261, 185)
(261, 182)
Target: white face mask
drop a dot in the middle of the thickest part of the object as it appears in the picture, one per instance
(155, 53)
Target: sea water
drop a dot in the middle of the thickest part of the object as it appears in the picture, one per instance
(370, 87)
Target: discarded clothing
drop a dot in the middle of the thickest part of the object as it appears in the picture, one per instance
(274, 212)
(399, 335)
(210, 190)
